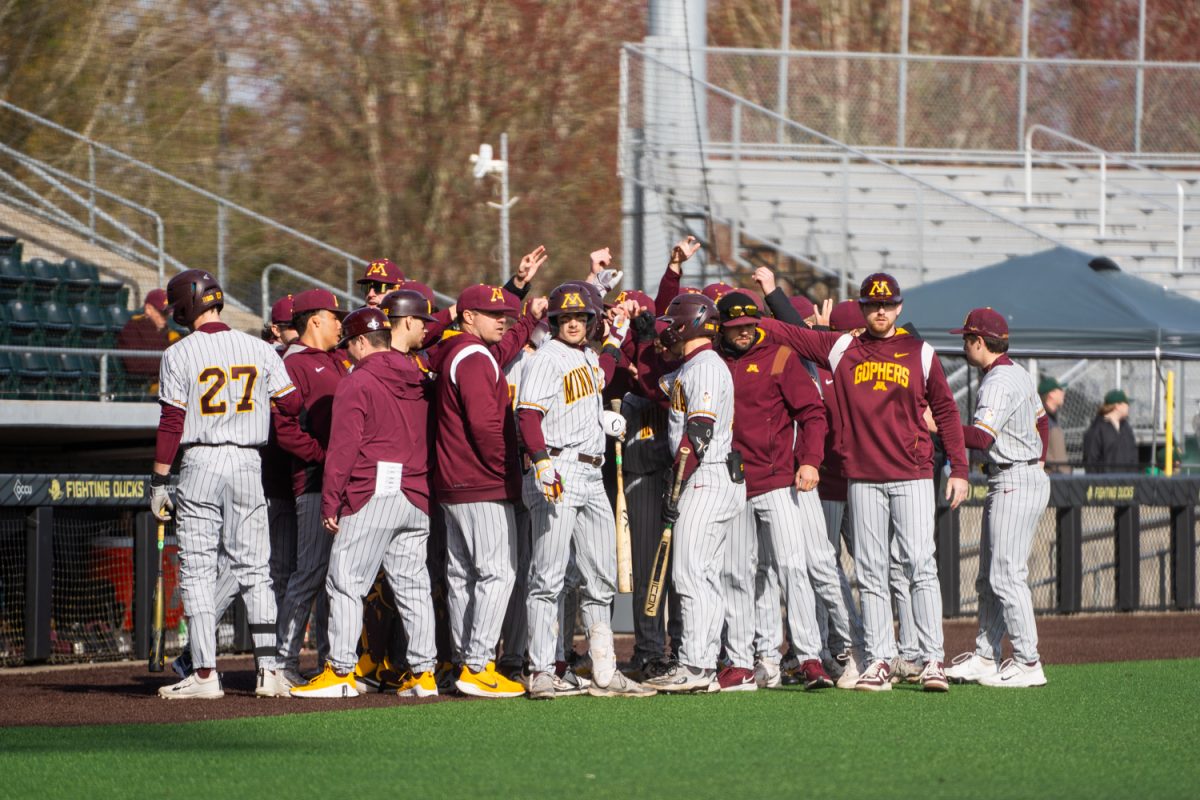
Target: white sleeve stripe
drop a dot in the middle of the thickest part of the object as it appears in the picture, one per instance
(926, 358)
(838, 350)
(466, 351)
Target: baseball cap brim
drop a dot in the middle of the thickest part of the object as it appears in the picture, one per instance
(739, 321)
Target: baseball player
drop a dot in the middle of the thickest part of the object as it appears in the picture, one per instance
(1011, 428)
(315, 371)
(477, 479)
(216, 390)
(701, 422)
(563, 423)
(280, 331)
(375, 502)
(782, 523)
(380, 277)
(883, 380)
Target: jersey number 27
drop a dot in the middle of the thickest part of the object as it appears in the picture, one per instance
(214, 380)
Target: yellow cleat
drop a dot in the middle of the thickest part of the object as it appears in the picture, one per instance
(487, 683)
(422, 685)
(328, 684)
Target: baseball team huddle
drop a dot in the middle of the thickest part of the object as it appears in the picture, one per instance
(435, 488)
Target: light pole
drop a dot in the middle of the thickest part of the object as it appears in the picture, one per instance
(483, 165)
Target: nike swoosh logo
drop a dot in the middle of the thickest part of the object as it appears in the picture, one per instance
(828, 381)
(899, 355)
(1009, 491)
(318, 369)
(492, 685)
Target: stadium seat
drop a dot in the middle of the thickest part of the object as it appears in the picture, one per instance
(15, 282)
(8, 374)
(47, 279)
(57, 324)
(4, 329)
(34, 379)
(67, 371)
(23, 324)
(82, 279)
(92, 323)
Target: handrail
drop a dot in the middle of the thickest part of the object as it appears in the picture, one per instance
(351, 299)
(42, 168)
(104, 354)
(1105, 157)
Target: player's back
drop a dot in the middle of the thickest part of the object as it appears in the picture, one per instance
(224, 380)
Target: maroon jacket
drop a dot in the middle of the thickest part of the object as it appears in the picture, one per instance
(476, 448)
(380, 413)
(316, 375)
(833, 483)
(139, 333)
(771, 390)
(882, 392)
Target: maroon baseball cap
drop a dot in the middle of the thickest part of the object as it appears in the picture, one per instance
(715, 291)
(281, 312)
(984, 322)
(879, 287)
(803, 305)
(382, 270)
(846, 316)
(482, 297)
(157, 298)
(363, 320)
(644, 300)
(315, 300)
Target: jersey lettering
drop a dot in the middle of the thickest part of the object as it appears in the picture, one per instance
(577, 384)
(881, 373)
(216, 379)
(678, 398)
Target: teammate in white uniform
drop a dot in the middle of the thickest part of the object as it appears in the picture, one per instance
(701, 418)
(563, 422)
(1010, 426)
(216, 390)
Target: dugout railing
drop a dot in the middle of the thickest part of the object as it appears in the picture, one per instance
(78, 560)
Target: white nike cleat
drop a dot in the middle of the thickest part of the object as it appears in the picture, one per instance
(193, 687)
(970, 668)
(1015, 675)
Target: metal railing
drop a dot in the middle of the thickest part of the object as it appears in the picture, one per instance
(103, 353)
(1104, 158)
(352, 300)
(223, 205)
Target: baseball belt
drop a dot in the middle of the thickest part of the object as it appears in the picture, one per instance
(595, 461)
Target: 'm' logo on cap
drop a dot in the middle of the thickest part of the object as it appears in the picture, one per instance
(377, 268)
(880, 289)
(573, 300)
(497, 295)
(622, 297)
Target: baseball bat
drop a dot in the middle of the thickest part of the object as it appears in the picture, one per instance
(624, 547)
(658, 573)
(158, 635)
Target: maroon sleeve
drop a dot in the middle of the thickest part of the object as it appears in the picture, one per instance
(651, 367)
(1043, 429)
(170, 432)
(529, 422)
(813, 345)
(289, 404)
(807, 409)
(977, 438)
(435, 329)
(668, 290)
(509, 347)
(475, 381)
(345, 438)
(945, 414)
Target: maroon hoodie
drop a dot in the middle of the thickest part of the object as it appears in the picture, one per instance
(476, 448)
(881, 393)
(316, 374)
(380, 413)
(771, 390)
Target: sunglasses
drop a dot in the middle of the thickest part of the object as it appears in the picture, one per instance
(733, 312)
(380, 288)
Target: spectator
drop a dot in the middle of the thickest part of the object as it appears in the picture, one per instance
(147, 331)
(280, 331)
(1108, 445)
(1052, 393)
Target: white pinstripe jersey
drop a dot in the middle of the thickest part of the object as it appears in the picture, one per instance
(701, 387)
(565, 384)
(1008, 408)
(224, 382)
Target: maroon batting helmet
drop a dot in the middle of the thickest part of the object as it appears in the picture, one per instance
(406, 303)
(577, 297)
(191, 293)
(689, 316)
(363, 320)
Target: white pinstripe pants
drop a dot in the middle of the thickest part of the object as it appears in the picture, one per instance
(313, 544)
(644, 500)
(1015, 501)
(391, 532)
(221, 508)
(710, 502)
(903, 509)
(582, 519)
(772, 530)
(481, 563)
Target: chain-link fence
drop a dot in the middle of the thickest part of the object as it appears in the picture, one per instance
(91, 603)
(13, 523)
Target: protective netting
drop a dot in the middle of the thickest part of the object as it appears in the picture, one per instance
(91, 602)
(12, 586)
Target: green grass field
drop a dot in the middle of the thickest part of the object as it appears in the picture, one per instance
(1098, 730)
